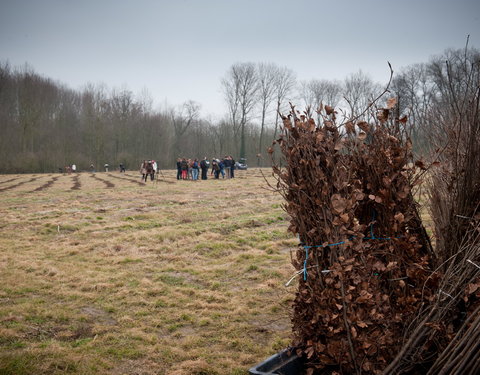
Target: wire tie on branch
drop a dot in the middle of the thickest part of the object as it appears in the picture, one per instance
(331, 244)
(351, 238)
(381, 238)
(306, 247)
(306, 256)
(372, 236)
(305, 265)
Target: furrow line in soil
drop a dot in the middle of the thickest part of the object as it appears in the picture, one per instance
(127, 179)
(46, 185)
(19, 184)
(76, 183)
(12, 179)
(108, 184)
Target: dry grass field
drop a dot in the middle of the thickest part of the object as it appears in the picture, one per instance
(101, 274)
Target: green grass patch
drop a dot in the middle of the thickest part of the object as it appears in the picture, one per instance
(18, 363)
(130, 260)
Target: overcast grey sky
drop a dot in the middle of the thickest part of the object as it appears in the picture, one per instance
(179, 49)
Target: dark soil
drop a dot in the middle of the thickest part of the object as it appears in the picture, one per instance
(135, 181)
(108, 184)
(19, 184)
(76, 183)
(47, 184)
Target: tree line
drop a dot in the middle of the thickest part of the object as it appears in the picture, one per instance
(45, 125)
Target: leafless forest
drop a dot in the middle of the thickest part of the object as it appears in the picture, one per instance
(46, 125)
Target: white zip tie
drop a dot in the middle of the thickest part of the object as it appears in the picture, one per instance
(475, 264)
(294, 276)
(441, 291)
(300, 272)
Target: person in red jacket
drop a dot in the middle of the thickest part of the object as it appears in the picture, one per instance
(184, 165)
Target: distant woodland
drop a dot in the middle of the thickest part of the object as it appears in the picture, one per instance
(45, 125)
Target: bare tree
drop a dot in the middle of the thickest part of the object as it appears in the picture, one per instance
(284, 84)
(267, 73)
(47, 125)
(95, 111)
(182, 120)
(317, 92)
(29, 94)
(358, 90)
(240, 86)
(231, 89)
(414, 92)
(122, 109)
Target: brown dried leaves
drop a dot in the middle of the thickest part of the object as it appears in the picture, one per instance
(339, 191)
(338, 203)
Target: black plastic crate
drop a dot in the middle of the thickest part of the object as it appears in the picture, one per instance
(284, 363)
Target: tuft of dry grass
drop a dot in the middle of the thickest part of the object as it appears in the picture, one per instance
(173, 277)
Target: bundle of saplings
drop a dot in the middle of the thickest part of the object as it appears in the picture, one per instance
(373, 296)
(365, 262)
(445, 335)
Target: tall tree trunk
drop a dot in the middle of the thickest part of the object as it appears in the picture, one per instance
(276, 121)
(242, 141)
(259, 157)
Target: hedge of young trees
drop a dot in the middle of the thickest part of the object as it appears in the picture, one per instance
(45, 125)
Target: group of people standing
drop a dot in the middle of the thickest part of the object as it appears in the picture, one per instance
(189, 169)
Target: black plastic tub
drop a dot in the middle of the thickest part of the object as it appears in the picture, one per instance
(284, 363)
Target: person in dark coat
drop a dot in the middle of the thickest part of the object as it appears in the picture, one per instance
(149, 171)
(222, 168)
(204, 164)
(227, 165)
(215, 168)
(179, 169)
(143, 170)
(232, 167)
